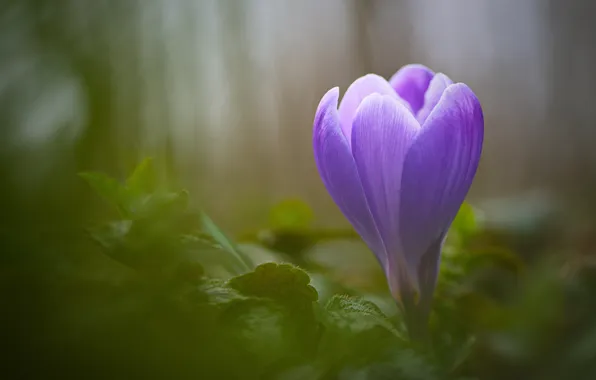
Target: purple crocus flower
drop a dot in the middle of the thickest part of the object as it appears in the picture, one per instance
(398, 158)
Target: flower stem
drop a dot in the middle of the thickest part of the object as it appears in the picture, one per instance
(417, 318)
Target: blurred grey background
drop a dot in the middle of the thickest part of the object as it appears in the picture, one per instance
(223, 93)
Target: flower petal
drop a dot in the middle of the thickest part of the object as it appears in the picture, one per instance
(410, 82)
(435, 89)
(437, 174)
(338, 172)
(428, 271)
(360, 89)
(383, 131)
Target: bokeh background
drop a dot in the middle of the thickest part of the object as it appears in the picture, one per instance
(223, 94)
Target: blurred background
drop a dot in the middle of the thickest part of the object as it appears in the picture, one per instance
(223, 93)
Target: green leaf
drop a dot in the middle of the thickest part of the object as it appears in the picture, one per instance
(462, 353)
(465, 220)
(291, 214)
(107, 188)
(281, 282)
(357, 314)
(404, 364)
(137, 196)
(260, 330)
(111, 235)
(584, 349)
(286, 288)
(494, 257)
(413, 365)
(210, 254)
(219, 294)
(138, 244)
(165, 205)
(464, 225)
(243, 262)
(143, 179)
(356, 333)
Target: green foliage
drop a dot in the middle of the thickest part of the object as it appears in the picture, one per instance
(290, 299)
(355, 333)
(281, 282)
(157, 229)
(267, 321)
(192, 304)
(291, 214)
(143, 179)
(108, 188)
(220, 237)
(357, 315)
(132, 196)
(465, 295)
(290, 230)
(464, 226)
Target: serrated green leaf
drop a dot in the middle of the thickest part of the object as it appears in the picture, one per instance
(219, 294)
(285, 288)
(282, 282)
(143, 179)
(356, 332)
(357, 314)
(260, 330)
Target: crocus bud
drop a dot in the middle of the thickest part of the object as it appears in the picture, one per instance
(398, 158)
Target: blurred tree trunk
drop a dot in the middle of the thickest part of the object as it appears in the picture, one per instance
(572, 109)
(362, 12)
(246, 161)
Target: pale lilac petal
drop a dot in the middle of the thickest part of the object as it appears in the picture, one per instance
(360, 89)
(437, 174)
(436, 88)
(338, 172)
(410, 82)
(383, 131)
